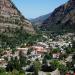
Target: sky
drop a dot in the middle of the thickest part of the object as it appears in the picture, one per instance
(36, 8)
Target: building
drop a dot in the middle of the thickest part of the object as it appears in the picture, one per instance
(56, 55)
(24, 50)
(39, 50)
(3, 63)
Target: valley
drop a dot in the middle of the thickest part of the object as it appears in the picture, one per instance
(40, 46)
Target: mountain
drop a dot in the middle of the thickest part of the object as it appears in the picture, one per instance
(15, 29)
(39, 20)
(61, 19)
(11, 17)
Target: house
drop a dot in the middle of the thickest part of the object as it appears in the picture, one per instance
(3, 63)
(34, 57)
(42, 44)
(56, 55)
(24, 50)
(1, 60)
(60, 44)
(39, 50)
(7, 54)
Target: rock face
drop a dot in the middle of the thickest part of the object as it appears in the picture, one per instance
(11, 18)
(62, 18)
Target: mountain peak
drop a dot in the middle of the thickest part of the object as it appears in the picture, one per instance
(7, 8)
(62, 18)
(11, 17)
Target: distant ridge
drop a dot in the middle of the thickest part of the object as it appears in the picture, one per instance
(39, 20)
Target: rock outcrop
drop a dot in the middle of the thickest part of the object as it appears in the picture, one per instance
(61, 19)
(12, 19)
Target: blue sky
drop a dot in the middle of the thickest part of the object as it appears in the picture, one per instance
(36, 8)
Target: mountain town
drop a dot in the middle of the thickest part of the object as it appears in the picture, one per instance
(40, 46)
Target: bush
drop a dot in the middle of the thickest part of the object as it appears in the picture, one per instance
(2, 70)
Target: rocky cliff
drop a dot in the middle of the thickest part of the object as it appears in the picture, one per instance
(11, 18)
(61, 19)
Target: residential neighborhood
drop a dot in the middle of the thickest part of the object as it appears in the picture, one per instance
(37, 37)
(43, 52)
